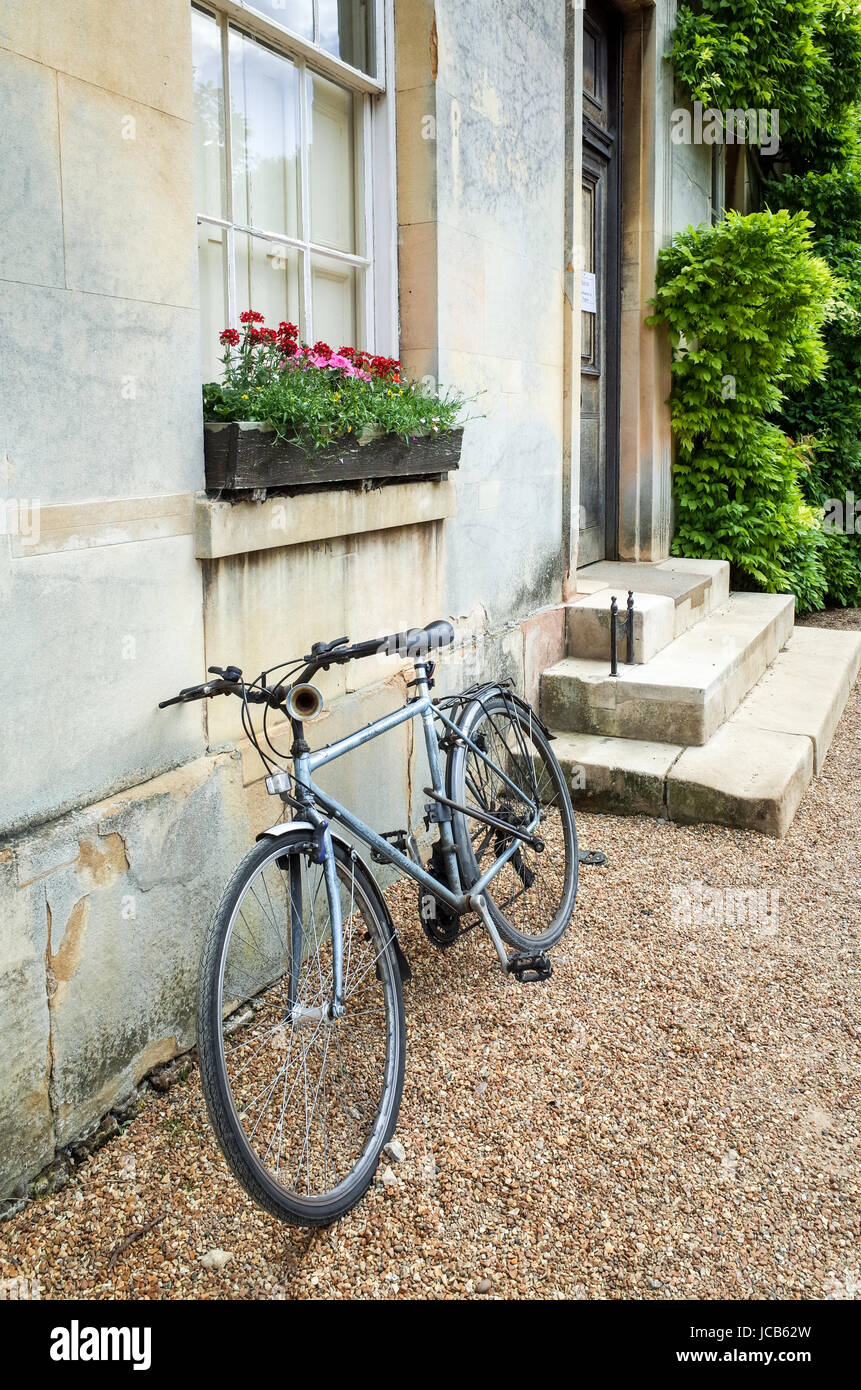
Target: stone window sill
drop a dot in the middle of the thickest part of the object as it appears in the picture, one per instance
(224, 528)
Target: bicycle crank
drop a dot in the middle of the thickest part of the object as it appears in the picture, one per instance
(528, 968)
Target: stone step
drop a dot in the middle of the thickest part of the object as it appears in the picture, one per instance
(753, 772)
(806, 690)
(669, 598)
(685, 693)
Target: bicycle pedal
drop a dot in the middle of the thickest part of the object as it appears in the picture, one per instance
(529, 969)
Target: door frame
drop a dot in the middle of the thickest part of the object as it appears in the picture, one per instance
(607, 147)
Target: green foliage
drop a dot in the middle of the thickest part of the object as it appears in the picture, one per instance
(314, 395)
(825, 178)
(745, 302)
(802, 58)
(314, 407)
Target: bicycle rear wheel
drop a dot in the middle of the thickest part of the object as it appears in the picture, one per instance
(532, 897)
(301, 1104)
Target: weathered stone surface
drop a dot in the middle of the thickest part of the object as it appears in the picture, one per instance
(131, 417)
(744, 776)
(717, 571)
(138, 51)
(26, 1126)
(625, 775)
(31, 247)
(754, 770)
(101, 727)
(589, 626)
(138, 243)
(236, 528)
(100, 953)
(543, 646)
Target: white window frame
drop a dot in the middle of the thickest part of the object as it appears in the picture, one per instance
(379, 321)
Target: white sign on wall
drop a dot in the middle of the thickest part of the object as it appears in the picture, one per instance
(588, 301)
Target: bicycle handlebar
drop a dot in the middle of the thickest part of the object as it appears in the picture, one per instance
(417, 642)
(274, 697)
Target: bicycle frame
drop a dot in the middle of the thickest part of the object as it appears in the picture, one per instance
(306, 791)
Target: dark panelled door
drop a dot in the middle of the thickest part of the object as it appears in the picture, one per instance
(599, 363)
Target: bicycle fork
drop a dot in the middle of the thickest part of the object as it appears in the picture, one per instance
(325, 855)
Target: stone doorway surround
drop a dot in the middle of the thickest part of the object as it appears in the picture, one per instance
(645, 445)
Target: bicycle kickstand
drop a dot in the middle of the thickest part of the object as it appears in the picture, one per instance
(528, 968)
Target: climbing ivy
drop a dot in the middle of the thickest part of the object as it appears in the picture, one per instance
(802, 58)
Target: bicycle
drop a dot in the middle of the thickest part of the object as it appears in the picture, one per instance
(300, 1016)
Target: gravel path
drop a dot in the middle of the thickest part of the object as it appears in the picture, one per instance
(675, 1115)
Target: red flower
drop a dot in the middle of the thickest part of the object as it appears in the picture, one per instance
(286, 338)
(385, 367)
(231, 336)
(251, 316)
(322, 349)
(348, 352)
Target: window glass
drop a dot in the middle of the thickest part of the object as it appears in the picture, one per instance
(297, 15)
(333, 301)
(268, 279)
(209, 177)
(347, 31)
(258, 190)
(264, 100)
(332, 166)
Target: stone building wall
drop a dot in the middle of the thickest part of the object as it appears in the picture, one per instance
(121, 824)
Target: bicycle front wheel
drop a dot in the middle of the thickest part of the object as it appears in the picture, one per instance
(301, 1104)
(513, 772)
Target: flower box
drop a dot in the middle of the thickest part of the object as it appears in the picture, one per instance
(247, 456)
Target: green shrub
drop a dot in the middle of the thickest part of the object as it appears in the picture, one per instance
(804, 59)
(829, 410)
(745, 302)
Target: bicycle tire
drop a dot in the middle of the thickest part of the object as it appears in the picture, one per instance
(299, 1209)
(500, 711)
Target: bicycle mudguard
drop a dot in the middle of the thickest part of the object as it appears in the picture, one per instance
(490, 688)
(282, 828)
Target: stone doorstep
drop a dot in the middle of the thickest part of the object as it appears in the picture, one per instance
(588, 626)
(669, 598)
(684, 693)
(696, 588)
(753, 772)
